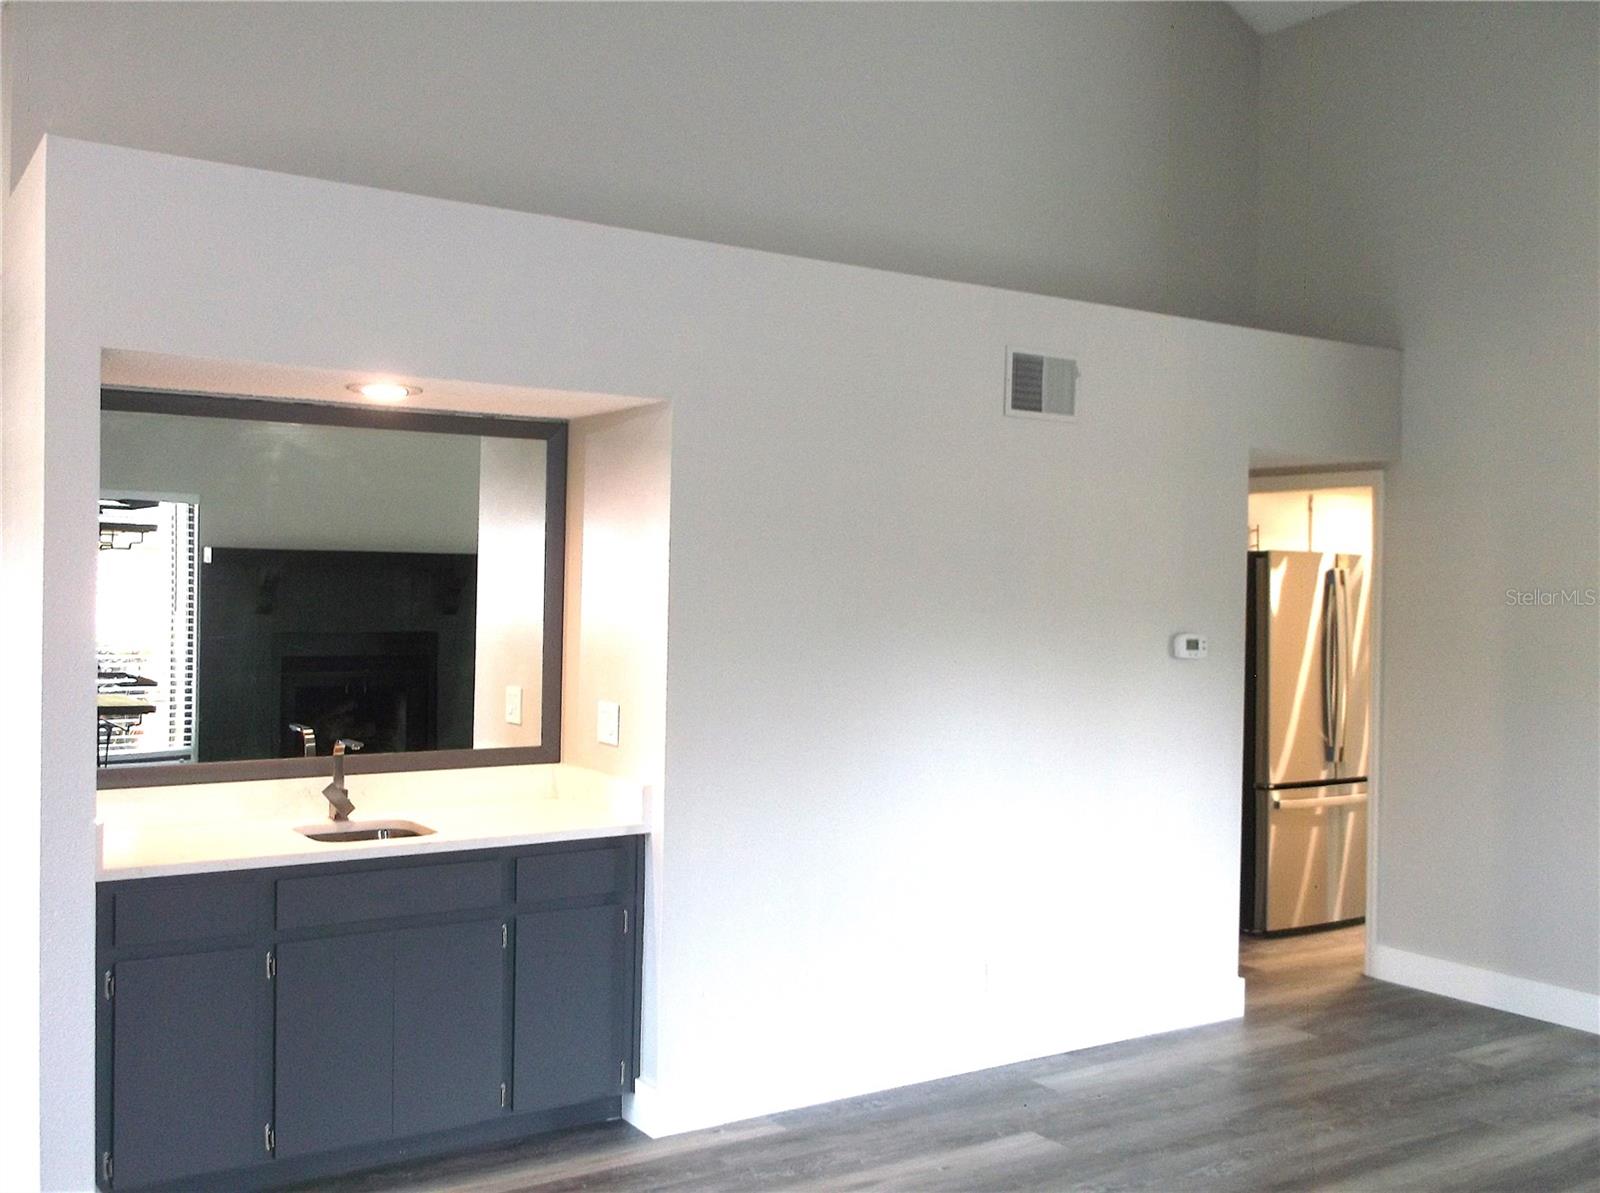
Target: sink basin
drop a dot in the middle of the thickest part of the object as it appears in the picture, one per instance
(337, 831)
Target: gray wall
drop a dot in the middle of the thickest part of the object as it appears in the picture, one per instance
(1427, 178)
(298, 487)
(865, 553)
(1096, 151)
(1431, 178)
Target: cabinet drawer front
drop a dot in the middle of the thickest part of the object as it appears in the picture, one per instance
(571, 875)
(174, 914)
(387, 894)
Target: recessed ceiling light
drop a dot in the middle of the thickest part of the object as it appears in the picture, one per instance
(384, 391)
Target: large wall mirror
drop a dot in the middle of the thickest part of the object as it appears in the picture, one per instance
(275, 577)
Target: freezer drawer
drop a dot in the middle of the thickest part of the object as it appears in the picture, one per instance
(1311, 860)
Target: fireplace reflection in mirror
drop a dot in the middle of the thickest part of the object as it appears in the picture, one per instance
(386, 702)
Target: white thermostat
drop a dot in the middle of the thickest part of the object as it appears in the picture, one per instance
(1189, 646)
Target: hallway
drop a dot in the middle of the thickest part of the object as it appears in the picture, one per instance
(1332, 1080)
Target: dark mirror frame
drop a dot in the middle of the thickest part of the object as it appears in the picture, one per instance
(553, 432)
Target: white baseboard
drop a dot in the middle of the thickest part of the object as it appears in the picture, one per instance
(1502, 991)
(643, 1109)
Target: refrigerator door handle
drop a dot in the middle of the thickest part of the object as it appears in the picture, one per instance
(1279, 804)
(1344, 661)
(1329, 694)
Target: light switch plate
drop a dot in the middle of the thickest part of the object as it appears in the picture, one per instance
(608, 723)
(513, 704)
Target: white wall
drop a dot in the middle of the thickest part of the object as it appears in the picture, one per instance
(618, 512)
(1431, 178)
(916, 724)
(510, 639)
(619, 476)
(1101, 151)
(29, 726)
(301, 487)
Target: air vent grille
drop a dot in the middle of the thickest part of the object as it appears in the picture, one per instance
(1040, 386)
(1027, 382)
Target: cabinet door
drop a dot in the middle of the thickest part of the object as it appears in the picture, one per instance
(449, 1026)
(188, 1065)
(573, 979)
(335, 1042)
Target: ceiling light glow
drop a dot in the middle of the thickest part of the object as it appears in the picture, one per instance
(384, 391)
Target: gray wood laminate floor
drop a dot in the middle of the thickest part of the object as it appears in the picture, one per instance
(1332, 1081)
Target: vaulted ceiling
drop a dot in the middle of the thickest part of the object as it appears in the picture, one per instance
(1271, 16)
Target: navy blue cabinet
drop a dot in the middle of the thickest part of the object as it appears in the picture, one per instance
(389, 1034)
(188, 1076)
(334, 1060)
(573, 988)
(449, 1026)
(267, 1027)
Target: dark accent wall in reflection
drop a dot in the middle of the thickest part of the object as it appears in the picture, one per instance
(374, 645)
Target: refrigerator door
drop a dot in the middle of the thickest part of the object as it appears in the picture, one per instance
(1353, 724)
(1312, 851)
(1296, 668)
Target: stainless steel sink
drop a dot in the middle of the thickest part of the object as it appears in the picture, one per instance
(339, 831)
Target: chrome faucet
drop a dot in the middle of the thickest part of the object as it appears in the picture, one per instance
(308, 737)
(339, 805)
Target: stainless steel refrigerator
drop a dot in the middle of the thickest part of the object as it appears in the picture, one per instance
(1307, 719)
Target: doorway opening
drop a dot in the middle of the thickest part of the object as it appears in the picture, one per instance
(1308, 788)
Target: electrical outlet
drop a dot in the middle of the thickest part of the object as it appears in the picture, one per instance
(513, 704)
(608, 723)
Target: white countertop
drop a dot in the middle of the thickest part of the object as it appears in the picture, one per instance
(147, 832)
